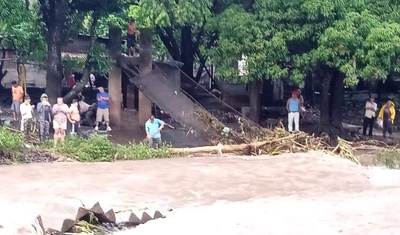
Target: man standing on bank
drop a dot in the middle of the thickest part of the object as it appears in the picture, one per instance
(153, 130)
(102, 109)
(370, 113)
(17, 97)
(293, 106)
(44, 112)
(60, 112)
(387, 115)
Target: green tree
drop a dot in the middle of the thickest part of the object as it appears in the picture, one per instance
(182, 27)
(359, 45)
(282, 39)
(242, 33)
(21, 30)
(54, 15)
(95, 11)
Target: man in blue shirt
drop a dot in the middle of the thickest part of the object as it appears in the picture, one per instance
(153, 127)
(102, 109)
(293, 106)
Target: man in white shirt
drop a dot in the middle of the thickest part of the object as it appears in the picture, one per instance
(370, 113)
(27, 118)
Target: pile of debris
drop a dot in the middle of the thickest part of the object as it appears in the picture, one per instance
(87, 221)
(95, 220)
(279, 141)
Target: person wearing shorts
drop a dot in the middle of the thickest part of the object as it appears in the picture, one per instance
(60, 112)
(17, 97)
(74, 117)
(102, 109)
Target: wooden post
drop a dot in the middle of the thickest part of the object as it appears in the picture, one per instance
(145, 66)
(115, 77)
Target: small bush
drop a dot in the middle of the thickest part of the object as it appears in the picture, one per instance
(390, 158)
(141, 151)
(100, 149)
(11, 144)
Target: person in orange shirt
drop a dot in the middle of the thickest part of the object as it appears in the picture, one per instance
(17, 97)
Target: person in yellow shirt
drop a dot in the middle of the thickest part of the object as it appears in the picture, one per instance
(387, 115)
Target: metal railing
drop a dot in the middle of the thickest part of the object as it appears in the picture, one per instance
(207, 100)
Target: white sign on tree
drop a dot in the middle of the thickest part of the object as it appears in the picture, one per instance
(242, 66)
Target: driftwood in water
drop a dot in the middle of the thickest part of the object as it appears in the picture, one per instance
(220, 148)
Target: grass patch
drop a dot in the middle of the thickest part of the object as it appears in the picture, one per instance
(100, 149)
(390, 158)
(95, 149)
(11, 145)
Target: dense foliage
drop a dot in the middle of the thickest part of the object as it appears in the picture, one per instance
(333, 42)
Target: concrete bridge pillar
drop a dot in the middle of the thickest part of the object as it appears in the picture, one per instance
(115, 77)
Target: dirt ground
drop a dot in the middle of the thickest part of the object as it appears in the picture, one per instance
(313, 192)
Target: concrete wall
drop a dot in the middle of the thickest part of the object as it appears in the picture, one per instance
(34, 76)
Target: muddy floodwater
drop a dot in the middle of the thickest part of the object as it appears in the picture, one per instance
(309, 193)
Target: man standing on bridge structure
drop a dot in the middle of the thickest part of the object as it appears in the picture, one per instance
(131, 37)
(153, 128)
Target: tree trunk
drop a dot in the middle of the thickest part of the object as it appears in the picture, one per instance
(86, 71)
(187, 52)
(309, 93)
(219, 149)
(380, 89)
(255, 104)
(337, 96)
(21, 70)
(54, 19)
(2, 73)
(325, 83)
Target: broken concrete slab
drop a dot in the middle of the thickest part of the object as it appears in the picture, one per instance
(157, 215)
(110, 215)
(145, 218)
(67, 225)
(82, 213)
(134, 220)
(97, 209)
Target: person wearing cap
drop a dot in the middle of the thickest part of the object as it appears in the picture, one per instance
(293, 106)
(369, 118)
(44, 117)
(387, 115)
(26, 116)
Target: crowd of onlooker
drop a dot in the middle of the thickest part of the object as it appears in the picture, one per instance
(59, 116)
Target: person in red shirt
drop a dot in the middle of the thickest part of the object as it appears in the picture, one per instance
(71, 81)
